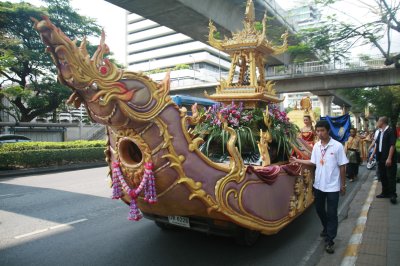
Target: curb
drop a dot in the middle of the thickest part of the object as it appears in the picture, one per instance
(44, 170)
(351, 252)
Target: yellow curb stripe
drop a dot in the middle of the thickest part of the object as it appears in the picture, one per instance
(351, 252)
(359, 229)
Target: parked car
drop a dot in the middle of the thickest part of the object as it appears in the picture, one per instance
(41, 119)
(10, 138)
(65, 118)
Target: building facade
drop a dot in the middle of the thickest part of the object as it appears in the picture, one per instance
(155, 49)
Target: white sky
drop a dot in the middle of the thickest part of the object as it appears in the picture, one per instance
(111, 18)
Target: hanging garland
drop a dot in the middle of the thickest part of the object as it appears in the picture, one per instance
(147, 183)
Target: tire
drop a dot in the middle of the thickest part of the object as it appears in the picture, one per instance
(163, 226)
(246, 237)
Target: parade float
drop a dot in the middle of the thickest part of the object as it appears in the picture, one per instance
(153, 150)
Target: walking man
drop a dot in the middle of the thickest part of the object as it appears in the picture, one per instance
(386, 156)
(330, 160)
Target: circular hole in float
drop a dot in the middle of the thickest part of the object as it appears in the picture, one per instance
(129, 152)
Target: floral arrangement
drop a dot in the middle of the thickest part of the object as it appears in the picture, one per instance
(282, 131)
(147, 185)
(247, 124)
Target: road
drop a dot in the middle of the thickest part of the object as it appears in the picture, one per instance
(68, 218)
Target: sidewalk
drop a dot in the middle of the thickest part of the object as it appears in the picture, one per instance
(369, 229)
(380, 243)
(51, 169)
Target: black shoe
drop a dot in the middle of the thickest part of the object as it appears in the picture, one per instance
(381, 196)
(330, 248)
(393, 200)
(323, 233)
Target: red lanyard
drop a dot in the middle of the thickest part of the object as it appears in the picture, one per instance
(323, 152)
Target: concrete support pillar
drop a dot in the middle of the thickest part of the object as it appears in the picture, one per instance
(357, 121)
(326, 105)
(345, 109)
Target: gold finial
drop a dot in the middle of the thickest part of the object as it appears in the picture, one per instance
(249, 14)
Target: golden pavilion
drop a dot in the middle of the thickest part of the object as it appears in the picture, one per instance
(248, 49)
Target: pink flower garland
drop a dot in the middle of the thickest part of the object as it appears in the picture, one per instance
(147, 183)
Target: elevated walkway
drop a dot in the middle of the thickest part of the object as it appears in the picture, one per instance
(317, 77)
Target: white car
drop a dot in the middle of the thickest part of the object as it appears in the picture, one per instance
(65, 118)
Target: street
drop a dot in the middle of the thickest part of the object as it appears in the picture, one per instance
(68, 218)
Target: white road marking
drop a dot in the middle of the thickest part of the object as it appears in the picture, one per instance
(49, 228)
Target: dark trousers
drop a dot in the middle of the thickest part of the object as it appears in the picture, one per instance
(352, 170)
(326, 204)
(388, 178)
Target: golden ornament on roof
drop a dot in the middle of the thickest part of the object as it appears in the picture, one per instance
(248, 49)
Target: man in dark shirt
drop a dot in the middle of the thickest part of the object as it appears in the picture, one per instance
(387, 159)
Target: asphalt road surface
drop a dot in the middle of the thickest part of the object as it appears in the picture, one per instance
(69, 218)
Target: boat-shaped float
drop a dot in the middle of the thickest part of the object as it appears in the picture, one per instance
(156, 165)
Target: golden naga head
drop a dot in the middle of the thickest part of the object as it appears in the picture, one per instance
(97, 81)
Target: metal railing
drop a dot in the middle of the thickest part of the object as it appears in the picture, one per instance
(290, 71)
(320, 67)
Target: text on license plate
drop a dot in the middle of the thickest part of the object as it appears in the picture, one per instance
(179, 220)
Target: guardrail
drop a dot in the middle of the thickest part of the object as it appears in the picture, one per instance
(289, 71)
(320, 67)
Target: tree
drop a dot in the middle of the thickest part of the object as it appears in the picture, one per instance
(382, 101)
(27, 74)
(377, 28)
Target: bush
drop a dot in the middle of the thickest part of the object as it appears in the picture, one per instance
(24, 146)
(42, 154)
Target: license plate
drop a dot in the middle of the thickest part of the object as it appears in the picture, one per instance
(179, 220)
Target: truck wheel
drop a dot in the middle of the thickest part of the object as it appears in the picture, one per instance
(163, 226)
(246, 237)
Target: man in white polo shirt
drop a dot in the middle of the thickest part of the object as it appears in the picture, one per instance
(330, 160)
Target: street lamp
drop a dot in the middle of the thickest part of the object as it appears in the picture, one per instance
(194, 68)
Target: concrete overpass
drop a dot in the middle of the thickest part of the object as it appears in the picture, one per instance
(191, 17)
(340, 80)
(198, 91)
(319, 78)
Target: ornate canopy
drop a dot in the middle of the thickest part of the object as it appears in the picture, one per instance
(248, 49)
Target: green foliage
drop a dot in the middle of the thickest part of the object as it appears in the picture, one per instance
(44, 158)
(177, 67)
(382, 101)
(78, 144)
(258, 26)
(42, 154)
(217, 35)
(301, 52)
(181, 66)
(28, 74)
(377, 29)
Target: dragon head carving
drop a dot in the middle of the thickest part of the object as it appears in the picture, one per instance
(97, 82)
